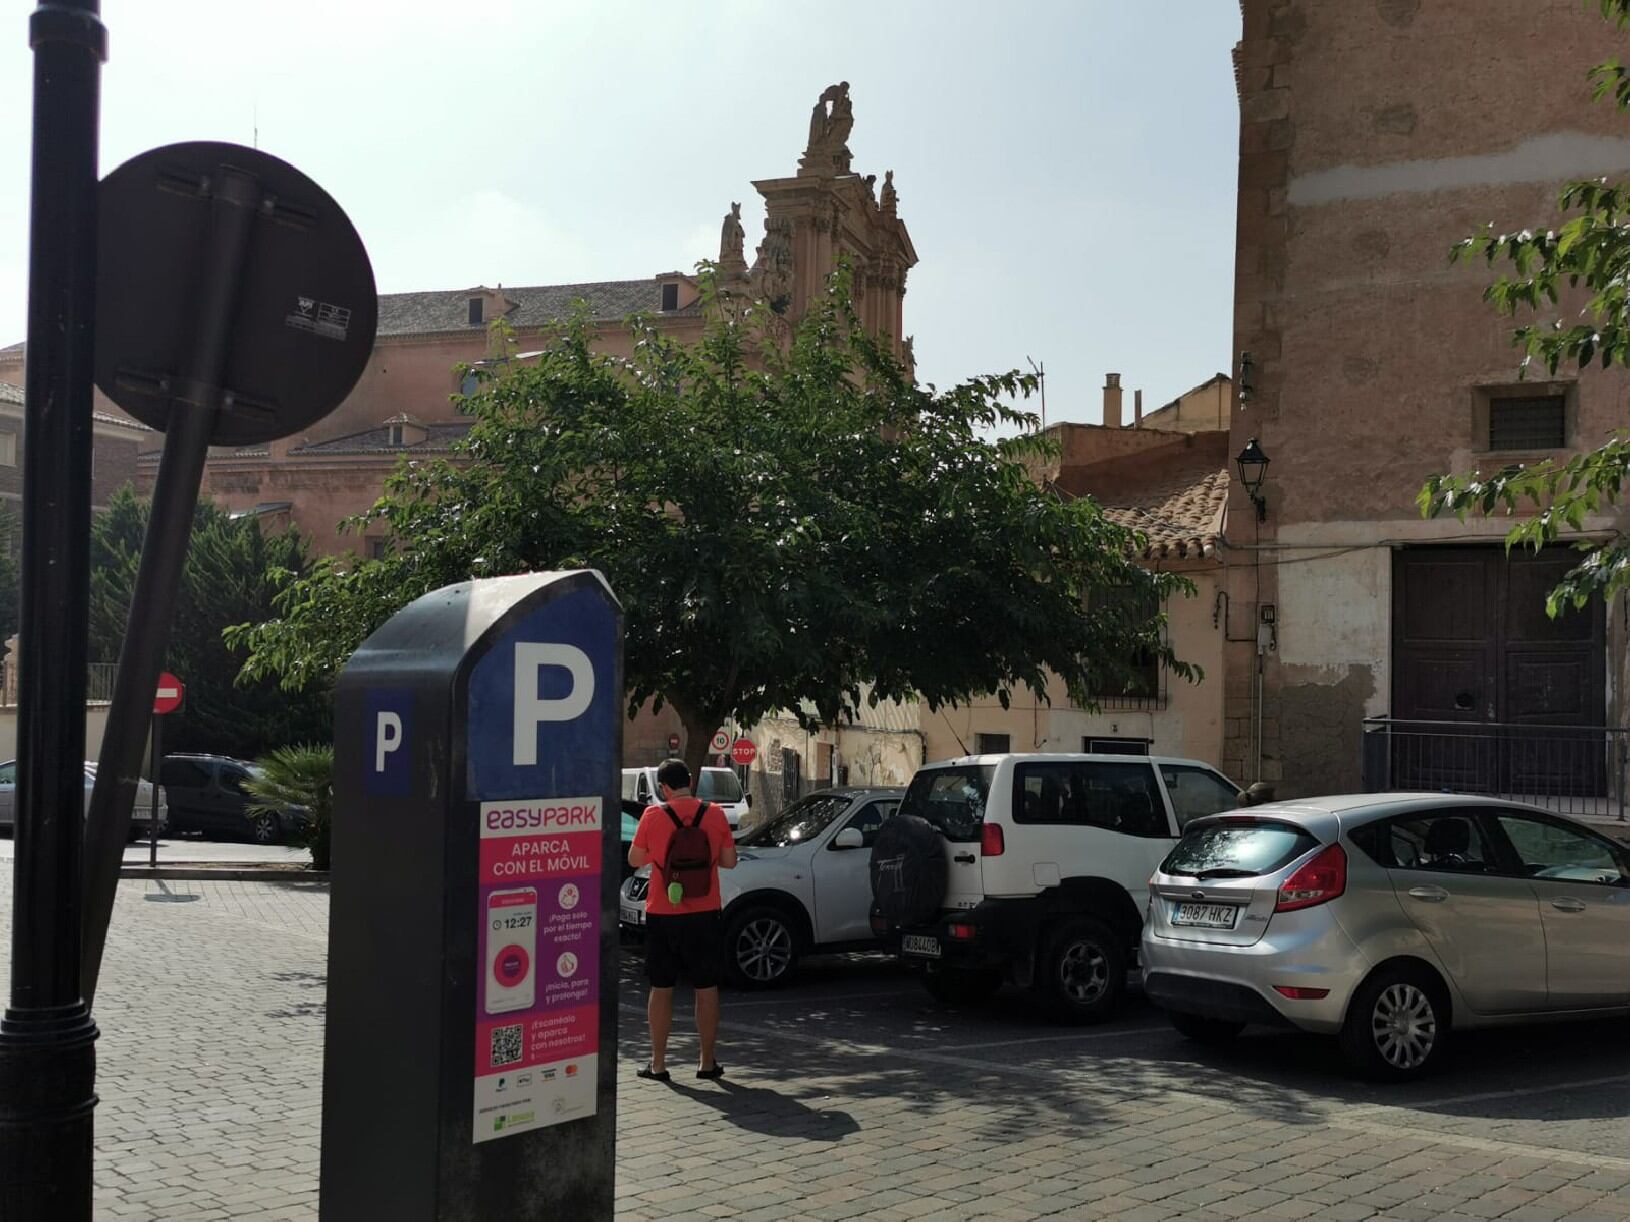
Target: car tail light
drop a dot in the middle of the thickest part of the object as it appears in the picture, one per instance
(991, 843)
(963, 933)
(1296, 993)
(1318, 881)
(880, 924)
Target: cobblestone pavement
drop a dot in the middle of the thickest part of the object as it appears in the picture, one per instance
(849, 1096)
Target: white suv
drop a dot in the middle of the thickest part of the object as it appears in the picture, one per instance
(1033, 869)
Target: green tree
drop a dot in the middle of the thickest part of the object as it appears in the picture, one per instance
(1590, 251)
(232, 574)
(785, 515)
(298, 776)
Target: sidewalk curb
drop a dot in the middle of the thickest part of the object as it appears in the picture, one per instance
(239, 874)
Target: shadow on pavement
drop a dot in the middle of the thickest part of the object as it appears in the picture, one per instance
(759, 1109)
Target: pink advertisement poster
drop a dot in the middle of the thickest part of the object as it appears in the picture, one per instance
(537, 1003)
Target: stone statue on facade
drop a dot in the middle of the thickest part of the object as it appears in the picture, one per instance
(772, 265)
(891, 200)
(829, 126)
(732, 262)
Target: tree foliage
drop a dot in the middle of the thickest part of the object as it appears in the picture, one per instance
(298, 776)
(232, 574)
(785, 515)
(1587, 257)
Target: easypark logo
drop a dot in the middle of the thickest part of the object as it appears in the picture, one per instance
(540, 815)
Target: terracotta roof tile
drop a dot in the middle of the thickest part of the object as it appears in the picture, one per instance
(536, 306)
(1180, 518)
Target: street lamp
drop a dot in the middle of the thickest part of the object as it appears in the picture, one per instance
(1253, 468)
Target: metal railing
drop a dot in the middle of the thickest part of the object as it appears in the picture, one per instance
(1576, 770)
(98, 682)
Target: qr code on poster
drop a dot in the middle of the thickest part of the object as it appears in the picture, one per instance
(506, 1045)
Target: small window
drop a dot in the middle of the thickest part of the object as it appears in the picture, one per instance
(1439, 843)
(1533, 423)
(670, 297)
(1141, 686)
(377, 549)
(1196, 792)
(396, 436)
(183, 774)
(992, 744)
(1115, 746)
(475, 311)
(870, 819)
(1551, 851)
(469, 384)
(1116, 797)
(8, 449)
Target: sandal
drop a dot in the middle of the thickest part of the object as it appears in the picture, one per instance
(653, 1075)
(711, 1074)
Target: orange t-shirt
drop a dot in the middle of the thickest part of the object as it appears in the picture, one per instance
(653, 835)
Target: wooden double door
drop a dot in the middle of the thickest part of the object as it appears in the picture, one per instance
(1472, 646)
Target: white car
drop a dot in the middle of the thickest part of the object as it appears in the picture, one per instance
(140, 814)
(719, 786)
(800, 885)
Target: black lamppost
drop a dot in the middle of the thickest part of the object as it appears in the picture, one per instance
(1253, 469)
(47, 1049)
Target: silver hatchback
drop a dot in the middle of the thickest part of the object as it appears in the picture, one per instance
(1387, 920)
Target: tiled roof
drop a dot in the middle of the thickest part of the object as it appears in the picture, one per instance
(1181, 518)
(14, 349)
(439, 439)
(449, 310)
(13, 395)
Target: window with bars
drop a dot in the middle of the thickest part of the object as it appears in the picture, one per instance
(1144, 688)
(670, 296)
(1534, 422)
(992, 744)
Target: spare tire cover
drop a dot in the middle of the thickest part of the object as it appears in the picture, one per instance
(908, 870)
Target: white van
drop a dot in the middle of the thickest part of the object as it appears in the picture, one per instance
(718, 785)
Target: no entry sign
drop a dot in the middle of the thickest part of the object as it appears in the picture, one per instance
(743, 751)
(171, 691)
(673, 742)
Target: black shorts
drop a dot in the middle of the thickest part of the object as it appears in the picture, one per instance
(688, 945)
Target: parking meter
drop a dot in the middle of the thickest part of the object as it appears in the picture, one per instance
(470, 1065)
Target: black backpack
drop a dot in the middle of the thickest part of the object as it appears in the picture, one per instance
(689, 861)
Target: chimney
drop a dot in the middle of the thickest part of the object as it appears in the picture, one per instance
(1112, 400)
(1137, 409)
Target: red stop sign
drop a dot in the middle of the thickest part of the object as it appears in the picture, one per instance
(171, 691)
(743, 751)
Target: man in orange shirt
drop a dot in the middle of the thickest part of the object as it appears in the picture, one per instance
(682, 930)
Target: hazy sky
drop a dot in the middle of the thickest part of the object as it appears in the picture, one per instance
(1066, 169)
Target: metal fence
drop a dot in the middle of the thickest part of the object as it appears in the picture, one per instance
(98, 682)
(1577, 770)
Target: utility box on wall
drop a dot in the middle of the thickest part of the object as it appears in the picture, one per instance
(470, 1065)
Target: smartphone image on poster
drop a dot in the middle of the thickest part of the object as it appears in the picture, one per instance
(512, 950)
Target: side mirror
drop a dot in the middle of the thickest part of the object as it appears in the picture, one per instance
(849, 838)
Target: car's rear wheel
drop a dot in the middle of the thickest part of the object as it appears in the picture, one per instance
(266, 829)
(961, 988)
(761, 948)
(1396, 1024)
(1209, 1031)
(1082, 971)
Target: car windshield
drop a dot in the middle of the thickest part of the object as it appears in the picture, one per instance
(952, 799)
(1237, 848)
(719, 785)
(799, 823)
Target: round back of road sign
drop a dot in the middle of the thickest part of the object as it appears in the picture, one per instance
(306, 311)
(169, 695)
(744, 752)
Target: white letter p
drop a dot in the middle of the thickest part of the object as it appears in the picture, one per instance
(387, 737)
(531, 709)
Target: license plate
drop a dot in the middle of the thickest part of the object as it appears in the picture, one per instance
(916, 944)
(633, 916)
(1207, 916)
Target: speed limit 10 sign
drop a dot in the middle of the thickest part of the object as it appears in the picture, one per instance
(721, 742)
